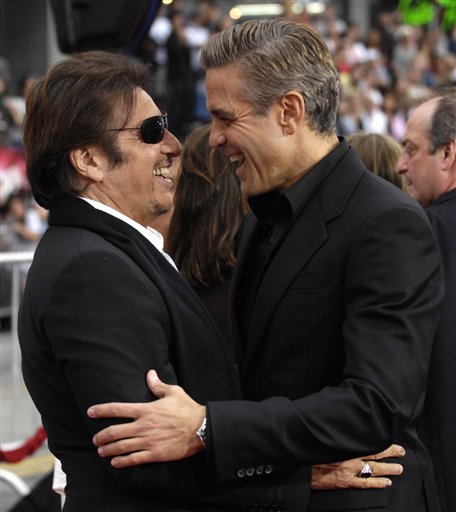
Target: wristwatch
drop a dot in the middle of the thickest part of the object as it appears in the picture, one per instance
(202, 432)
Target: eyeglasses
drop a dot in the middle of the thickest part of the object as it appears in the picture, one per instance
(151, 129)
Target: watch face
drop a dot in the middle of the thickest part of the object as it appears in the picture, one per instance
(201, 432)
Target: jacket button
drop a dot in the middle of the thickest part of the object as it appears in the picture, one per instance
(268, 469)
(240, 473)
(250, 471)
(260, 470)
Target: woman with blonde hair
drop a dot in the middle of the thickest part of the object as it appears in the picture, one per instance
(380, 154)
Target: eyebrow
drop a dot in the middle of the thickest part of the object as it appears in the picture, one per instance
(220, 112)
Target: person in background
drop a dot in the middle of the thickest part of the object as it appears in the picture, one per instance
(208, 213)
(428, 164)
(380, 153)
(327, 309)
(16, 103)
(24, 223)
(180, 76)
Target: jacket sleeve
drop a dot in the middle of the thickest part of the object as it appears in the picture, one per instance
(108, 325)
(392, 290)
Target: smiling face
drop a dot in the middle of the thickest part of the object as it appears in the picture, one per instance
(256, 143)
(140, 186)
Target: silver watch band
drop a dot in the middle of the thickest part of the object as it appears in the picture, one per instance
(201, 432)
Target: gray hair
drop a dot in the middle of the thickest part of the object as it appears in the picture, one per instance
(443, 123)
(276, 56)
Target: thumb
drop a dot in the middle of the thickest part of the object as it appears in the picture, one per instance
(157, 387)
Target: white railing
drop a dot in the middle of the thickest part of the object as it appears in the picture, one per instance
(14, 261)
(19, 416)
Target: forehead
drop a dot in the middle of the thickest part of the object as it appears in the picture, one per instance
(416, 128)
(223, 89)
(143, 107)
(419, 121)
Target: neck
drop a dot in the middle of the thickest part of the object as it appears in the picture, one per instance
(312, 149)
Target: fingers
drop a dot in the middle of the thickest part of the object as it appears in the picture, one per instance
(376, 478)
(132, 410)
(115, 410)
(125, 446)
(155, 384)
(159, 388)
(349, 474)
(385, 468)
(133, 459)
(394, 450)
(345, 475)
(138, 458)
(115, 433)
(371, 483)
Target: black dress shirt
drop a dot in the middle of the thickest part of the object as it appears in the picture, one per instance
(276, 211)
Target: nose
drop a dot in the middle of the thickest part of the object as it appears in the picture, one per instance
(216, 136)
(401, 165)
(171, 144)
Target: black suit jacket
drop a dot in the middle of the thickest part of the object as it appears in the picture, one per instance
(101, 307)
(438, 425)
(341, 336)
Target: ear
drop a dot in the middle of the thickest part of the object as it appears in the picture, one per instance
(293, 111)
(89, 162)
(449, 155)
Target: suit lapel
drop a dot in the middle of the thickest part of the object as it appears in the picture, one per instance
(299, 246)
(306, 236)
(245, 245)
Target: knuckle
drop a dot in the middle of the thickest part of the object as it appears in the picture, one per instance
(107, 436)
(135, 459)
(121, 446)
(144, 426)
(115, 409)
(159, 454)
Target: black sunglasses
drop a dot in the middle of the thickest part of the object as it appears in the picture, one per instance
(151, 129)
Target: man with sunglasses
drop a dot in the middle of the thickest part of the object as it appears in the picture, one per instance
(335, 298)
(103, 303)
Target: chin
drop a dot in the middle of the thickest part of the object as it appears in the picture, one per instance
(247, 191)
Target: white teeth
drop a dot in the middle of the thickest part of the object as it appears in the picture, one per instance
(234, 159)
(161, 171)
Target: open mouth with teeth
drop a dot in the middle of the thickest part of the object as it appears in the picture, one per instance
(164, 173)
(237, 160)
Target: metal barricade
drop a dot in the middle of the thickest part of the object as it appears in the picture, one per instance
(19, 416)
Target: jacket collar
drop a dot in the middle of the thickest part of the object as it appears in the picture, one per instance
(307, 234)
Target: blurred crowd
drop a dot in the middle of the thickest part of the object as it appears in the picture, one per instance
(385, 70)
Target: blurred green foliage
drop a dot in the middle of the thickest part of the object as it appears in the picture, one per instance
(423, 12)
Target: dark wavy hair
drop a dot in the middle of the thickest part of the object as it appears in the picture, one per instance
(208, 212)
(75, 104)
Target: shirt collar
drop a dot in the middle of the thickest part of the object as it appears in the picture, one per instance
(274, 206)
(154, 236)
(305, 187)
